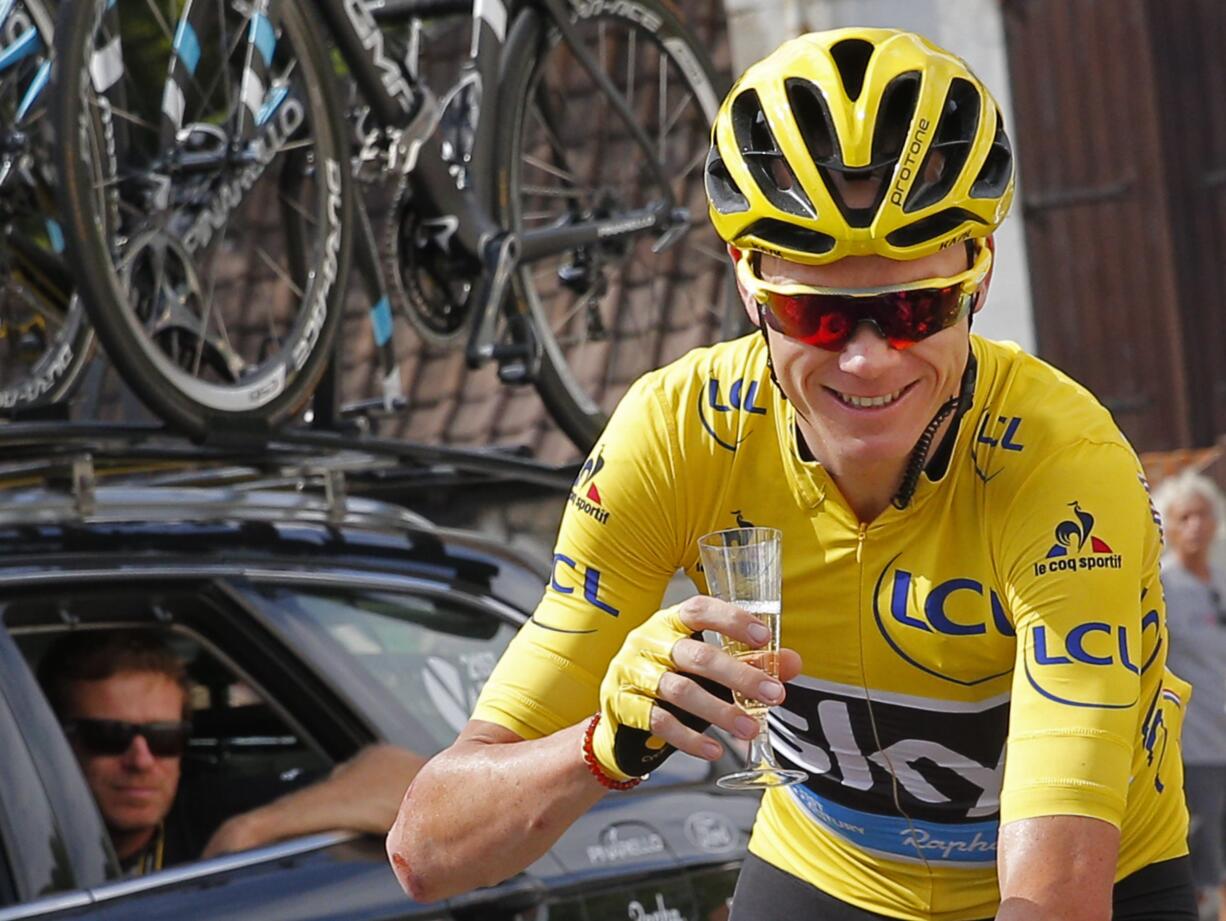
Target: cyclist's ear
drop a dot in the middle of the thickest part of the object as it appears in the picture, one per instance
(750, 305)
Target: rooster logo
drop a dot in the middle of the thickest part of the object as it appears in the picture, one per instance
(588, 473)
(1079, 531)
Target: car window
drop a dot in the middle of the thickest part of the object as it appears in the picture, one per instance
(432, 655)
(242, 752)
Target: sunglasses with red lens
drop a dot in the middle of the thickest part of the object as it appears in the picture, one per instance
(903, 314)
(114, 737)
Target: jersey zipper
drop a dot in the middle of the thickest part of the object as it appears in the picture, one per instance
(860, 544)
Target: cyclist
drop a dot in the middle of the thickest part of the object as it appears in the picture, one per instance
(976, 682)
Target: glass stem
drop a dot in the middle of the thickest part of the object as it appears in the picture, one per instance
(760, 755)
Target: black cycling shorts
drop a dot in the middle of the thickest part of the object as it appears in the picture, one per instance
(1160, 892)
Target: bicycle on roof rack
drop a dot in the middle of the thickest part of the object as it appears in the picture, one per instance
(44, 338)
(542, 211)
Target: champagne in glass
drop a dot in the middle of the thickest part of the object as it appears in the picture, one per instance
(744, 566)
(763, 658)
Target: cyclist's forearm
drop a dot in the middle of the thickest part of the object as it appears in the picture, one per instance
(478, 813)
(1057, 868)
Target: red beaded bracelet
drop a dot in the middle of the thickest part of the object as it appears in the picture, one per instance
(589, 758)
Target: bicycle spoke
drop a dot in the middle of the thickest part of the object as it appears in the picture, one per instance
(203, 336)
(230, 46)
(560, 174)
(209, 302)
(630, 69)
(545, 120)
(699, 158)
(712, 254)
(167, 32)
(297, 209)
(133, 119)
(661, 107)
(293, 145)
(280, 272)
(553, 192)
(677, 112)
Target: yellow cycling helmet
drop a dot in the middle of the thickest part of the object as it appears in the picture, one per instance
(857, 142)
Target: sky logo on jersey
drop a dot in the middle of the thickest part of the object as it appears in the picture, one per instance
(908, 777)
(584, 495)
(1076, 548)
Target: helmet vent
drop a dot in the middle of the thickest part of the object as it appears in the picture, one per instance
(725, 195)
(765, 160)
(997, 169)
(932, 228)
(812, 117)
(950, 147)
(851, 57)
(894, 116)
(790, 236)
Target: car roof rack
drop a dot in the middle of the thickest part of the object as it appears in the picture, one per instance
(35, 452)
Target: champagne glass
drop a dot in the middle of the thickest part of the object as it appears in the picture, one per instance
(744, 566)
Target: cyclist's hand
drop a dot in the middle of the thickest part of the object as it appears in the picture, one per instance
(665, 686)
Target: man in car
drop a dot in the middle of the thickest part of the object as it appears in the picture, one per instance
(123, 699)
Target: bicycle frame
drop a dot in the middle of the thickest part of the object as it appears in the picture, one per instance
(399, 102)
(463, 217)
(42, 271)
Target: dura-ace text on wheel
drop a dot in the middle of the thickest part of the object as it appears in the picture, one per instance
(44, 339)
(606, 313)
(205, 188)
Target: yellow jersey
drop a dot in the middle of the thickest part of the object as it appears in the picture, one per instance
(992, 652)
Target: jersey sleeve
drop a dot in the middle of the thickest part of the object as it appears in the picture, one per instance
(1075, 548)
(618, 546)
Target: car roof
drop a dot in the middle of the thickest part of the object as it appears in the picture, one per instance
(98, 489)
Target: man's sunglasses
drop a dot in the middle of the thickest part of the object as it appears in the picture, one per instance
(114, 737)
(903, 314)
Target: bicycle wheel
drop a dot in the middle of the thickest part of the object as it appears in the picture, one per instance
(605, 314)
(44, 339)
(206, 193)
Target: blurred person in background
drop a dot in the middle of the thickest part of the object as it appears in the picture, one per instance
(1191, 507)
(123, 698)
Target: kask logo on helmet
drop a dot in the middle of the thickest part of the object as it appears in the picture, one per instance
(1069, 553)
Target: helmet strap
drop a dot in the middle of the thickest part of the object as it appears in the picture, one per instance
(770, 364)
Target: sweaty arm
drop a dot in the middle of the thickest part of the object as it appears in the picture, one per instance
(1077, 549)
(1057, 868)
(515, 779)
(359, 795)
(493, 802)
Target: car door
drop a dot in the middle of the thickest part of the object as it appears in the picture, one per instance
(58, 850)
(52, 841)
